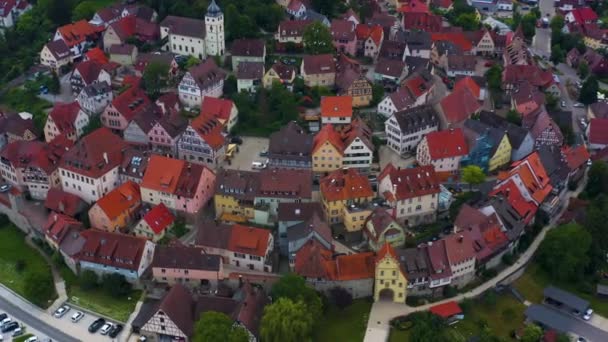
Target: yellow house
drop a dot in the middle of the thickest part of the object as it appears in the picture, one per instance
(351, 83)
(327, 150)
(340, 191)
(234, 195)
(596, 43)
(501, 154)
(390, 282)
(279, 72)
(354, 216)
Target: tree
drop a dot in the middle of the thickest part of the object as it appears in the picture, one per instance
(528, 25)
(53, 84)
(327, 7)
(557, 23)
(557, 54)
(563, 252)
(88, 280)
(230, 86)
(494, 78)
(294, 287)
(116, 285)
(473, 175)
(514, 117)
(597, 182)
(286, 320)
(551, 101)
(588, 94)
(58, 11)
(155, 78)
(317, 39)
(427, 327)
(84, 10)
(583, 69)
(340, 297)
(216, 326)
(468, 21)
(377, 93)
(38, 287)
(532, 333)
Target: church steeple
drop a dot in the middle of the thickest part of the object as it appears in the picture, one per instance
(213, 10)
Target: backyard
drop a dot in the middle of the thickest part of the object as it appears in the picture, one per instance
(97, 300)
(532, 283)
(344, 325)
(20, 265)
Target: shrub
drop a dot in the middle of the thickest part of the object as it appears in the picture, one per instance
(39, 287)
(507, 259)
(340, 297)
(88, 280)
(116, 285)
(20, 265)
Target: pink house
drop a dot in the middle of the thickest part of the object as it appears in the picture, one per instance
(343, 32)
(190, 266)
(124, 108)
(166, 132)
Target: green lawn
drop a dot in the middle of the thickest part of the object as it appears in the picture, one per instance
(534, 280)
(13, 249)
(22, 338)
(344, 325)
(501, 317)
(99, 301)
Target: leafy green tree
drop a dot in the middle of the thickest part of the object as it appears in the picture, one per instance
(116, 285)
(377, 93)
(563, 252)
(88, 280)
(230, 86)
(340, 297)
(293, 286)
(532, 333)
(215, 326)
(38, 287)
(557, 54)
(583, 69)
(588, 94)
(84, 10)
(528, 25)
(597, 182)
(473, 175)
(286, 320)
(317, 39)
(514, 117)
(58, 11)
(468, 21)
(53, 84)
(155, 78)
(94, 123)
(427, 328)
(494, 78)
(239, 25)
(557, 23)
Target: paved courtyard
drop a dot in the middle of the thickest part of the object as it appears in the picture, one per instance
(248, 152)
(387, 155)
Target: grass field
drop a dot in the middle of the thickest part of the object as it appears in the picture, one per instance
(532, 283)
(99, 301)
(13, 249)
(344, 325)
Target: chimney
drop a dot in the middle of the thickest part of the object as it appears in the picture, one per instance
(460, 238)
(105, 157)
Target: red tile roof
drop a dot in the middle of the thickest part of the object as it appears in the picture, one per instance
(64, 116)
(112, 249)
(159, 218)
(364, 31)
(414, 6)
(210, 130)
(89, 71)
(446, 310)
(422, 21)
(310, 260)
(78, 32)
(447, 144)
(342, 29)
(525, 209)
(411, 182)
(173, 176)
(95, 154)
(341, 185)
(319, 64)
(337, 106)
(35, 154)
(124, 199)
(459, 247)
(457, 38)
(328, 133)
(532, 174)
(598, 131)
(217, 108)
(351, 267)
(131, 102)
(96, 55)
(575, 156)
(513, 74)
(584, 14)
(249, 240)
(63, 202)
(58, 225)
(459, 105)
(470, 84)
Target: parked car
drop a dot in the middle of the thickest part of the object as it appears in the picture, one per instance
(18, 331)
(587, 315)
(489, 64)
(61, 311)
(264, 153)
(5, 187)
(32, 339)
(5, 321)
(77, 316)
(581, 339)
(142, 339)
(236, 140)
(563, 104)
(10, 326)
(116, 329)
(96, 325)
(106, 328)
(578, 105)
(3, 316)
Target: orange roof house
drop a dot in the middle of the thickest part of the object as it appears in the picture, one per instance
(116, 210)
(249, 240)
(336, 110)
(344, 185)
(77, 33)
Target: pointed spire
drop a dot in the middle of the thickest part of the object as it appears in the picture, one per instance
(213, 10)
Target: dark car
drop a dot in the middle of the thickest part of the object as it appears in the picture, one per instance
(10, 326)
(96, 325)
(115, 330)
(3, 316)
(236, 140)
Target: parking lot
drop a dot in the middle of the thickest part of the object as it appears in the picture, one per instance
(80, 328)
(248, 152)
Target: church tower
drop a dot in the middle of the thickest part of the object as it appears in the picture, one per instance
(214, 26)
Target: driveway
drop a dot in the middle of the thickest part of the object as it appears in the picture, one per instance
(66, 92)
(548, 316)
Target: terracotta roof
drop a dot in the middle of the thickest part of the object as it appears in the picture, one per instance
(217, 108)
(63, 202)
(78, 32)
(469, 83)
(365, 31)
(402, 98)
(347, 184)
(178, 256)
(328, 133)
(422, 21)
(380, 219)
(210, 130)
(95, 154)
(310, 260)
(440, 265)
(285, 72)
(543, 123)
(446, 310)
(57, 226)
(295, 5)
(385, 250)
(575, 156)
(112, 249)
(64, 116)
(288, 183)
(411, 182)
(318, 64)
(121, 200)
(131, 102)
(457, 38)
(342, 29)
(513, 74)
(598, 131)
(249, 240)
(357, 129)
(173, 176)
(183, 26)
(459, 105)
(524, 208)
(248, 48)
(459, 247)
(447, 144)
(337, 106)
(207, 73)
(351, 267)
(35, 154)
(584, 15)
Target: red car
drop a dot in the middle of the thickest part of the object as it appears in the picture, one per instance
(489, 64)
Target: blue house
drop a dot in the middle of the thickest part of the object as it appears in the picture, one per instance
(480, 144)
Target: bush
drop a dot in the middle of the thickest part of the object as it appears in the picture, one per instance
(340, 297)
(116, 285)
(449, 291)
(507, 259)
(39, 287)
(58, 259)
(488, 274)
(413, 301)
(20, 265)
(88, 280)
(4, 221)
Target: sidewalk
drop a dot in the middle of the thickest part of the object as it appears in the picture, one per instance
(378, 325)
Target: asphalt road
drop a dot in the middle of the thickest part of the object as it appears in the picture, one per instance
(34, 322)
(560, 321)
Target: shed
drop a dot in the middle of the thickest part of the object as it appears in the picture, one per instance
(446, 310)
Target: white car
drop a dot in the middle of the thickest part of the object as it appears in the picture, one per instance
(587, 315)
(105, 329)
(61, 311)
(77, 316)
(32, 339)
